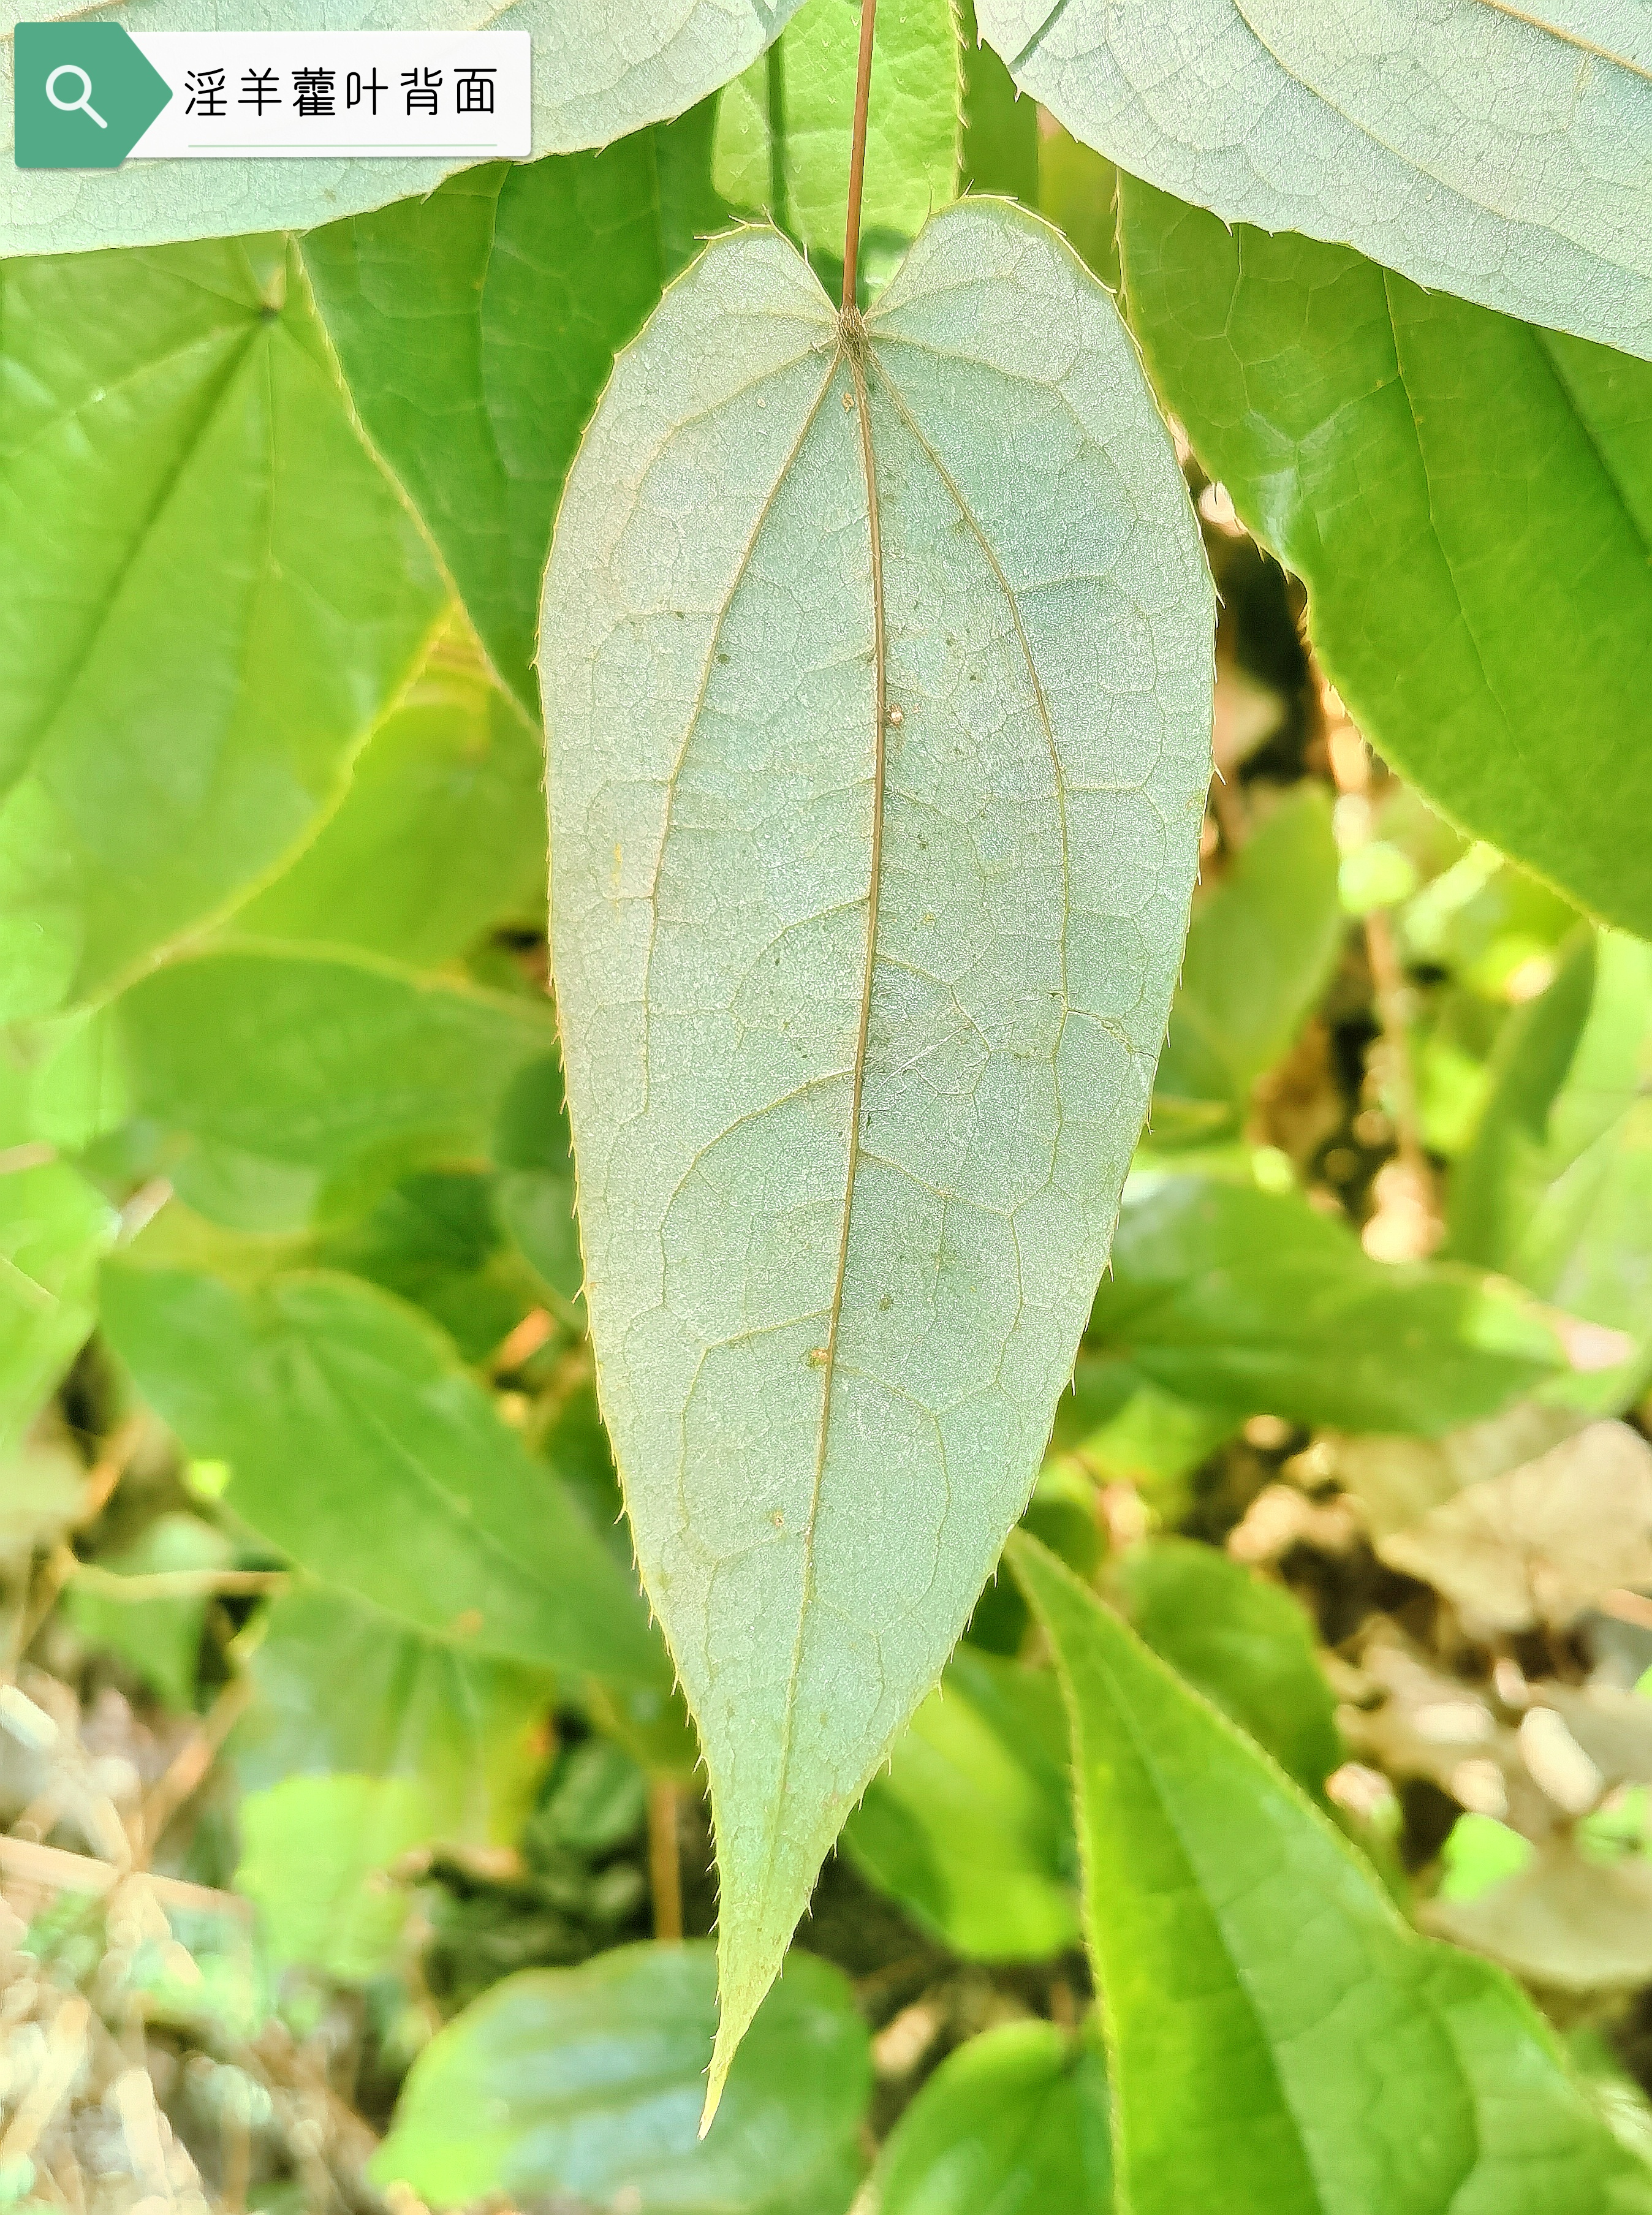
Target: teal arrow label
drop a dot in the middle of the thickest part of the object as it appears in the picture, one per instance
(84, 95)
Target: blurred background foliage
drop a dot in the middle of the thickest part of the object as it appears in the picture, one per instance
(347, 1797)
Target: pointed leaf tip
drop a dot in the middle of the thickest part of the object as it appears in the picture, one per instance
(860, 1009)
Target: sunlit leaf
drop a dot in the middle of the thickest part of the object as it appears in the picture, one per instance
(1502, 153)
(1251, 1966)
(317, 1853)
(882, 668)
(208, 594)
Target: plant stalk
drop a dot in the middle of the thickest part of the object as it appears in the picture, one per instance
(857, 156)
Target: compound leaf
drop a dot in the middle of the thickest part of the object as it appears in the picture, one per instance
(1251, 1967)
(1500, 153)
(882, 665)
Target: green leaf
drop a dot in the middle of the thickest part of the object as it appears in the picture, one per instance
(587, 2082)
(1468, 501)
(516, 282)
(343, 1689)
(200, 568)
(316, 1852)
(1245, 1644)
(1260, 951)
(1556, 1188)
(782, 144)
(601, 68)
(435, 1239)
(1253, 1974)
(336, 1067)
(999, 151)
(159, 1638)
(1503, 153)
(1250, 1302)
(439, 837)
(53, 1230)
(1017, 2122)
(874, 828)
(359, 1446)
(969, 1829)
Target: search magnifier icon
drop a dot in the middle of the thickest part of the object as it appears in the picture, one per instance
(82, 105)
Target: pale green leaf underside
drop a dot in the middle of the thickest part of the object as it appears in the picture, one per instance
(599, 70)
(1499, 153)
(829, 1362)
(1280, 2043)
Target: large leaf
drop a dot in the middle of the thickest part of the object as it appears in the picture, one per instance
(586, 2083)
(969, 1828)
(1470, 502)
(315, 1855)
(1280, 2043)
(359, 1446)
(1250, 1302)
(781, 145)
(1502, 153)
(325, 1065)
(1556, 1188)
(515, 282)
(1017, 2122)
(601, 68)
(440, 836)
(1263, 943)
(208, 591)
(343, 1689)
(53, 1230)
(882, 660)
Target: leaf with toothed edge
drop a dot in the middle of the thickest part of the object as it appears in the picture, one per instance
(880, 664)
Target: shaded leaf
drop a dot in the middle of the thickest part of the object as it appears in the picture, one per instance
(439, 836)
(434, 1238)
(159, 1638)
(1398, 1481)
(343, 1689)
(199, 567)
(54, 1229)
(871, 874)
(316, 1856)
(599, 71)
(1250, 1966)
(781, 145)
(515, 282)
(1249, 1301)
(1468, 501)
(1017, 2122)
(969, 1828)
(588, 2081)
(358, 1446)
(1245, 1644)
(1372, 127)
(997, 149)
(1260, 950)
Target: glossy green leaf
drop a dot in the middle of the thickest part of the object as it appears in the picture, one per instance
(783, 145)
(1468, 501)
(1250, 1302)
(440, 836)
(1017, 2122)
(1260, 950)
(883, 671)
(159, 1640)
(601, 68)
(201, 568)
(513, 284)
(358, 1446)
(317, 1853)
(329, 1067)
(1245, 1644)
(1280, 2043)
(587, 2083)
(1556, 1189)
(1500, 153)
(968, 1828)
(341, 1689)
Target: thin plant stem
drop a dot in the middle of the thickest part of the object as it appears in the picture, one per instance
(664, 1860)
(857, 156)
